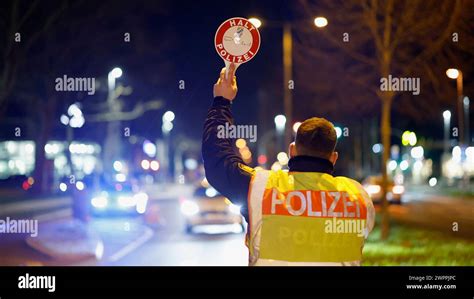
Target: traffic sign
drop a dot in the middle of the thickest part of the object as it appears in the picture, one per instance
(237, 40)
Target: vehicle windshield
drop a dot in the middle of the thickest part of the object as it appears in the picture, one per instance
(118, 188)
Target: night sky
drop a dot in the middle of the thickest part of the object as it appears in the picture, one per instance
(172, 41)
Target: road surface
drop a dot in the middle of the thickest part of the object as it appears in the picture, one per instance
(171, 246)
(131, 242)
(450, 215)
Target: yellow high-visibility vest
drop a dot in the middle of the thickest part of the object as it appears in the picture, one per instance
(307, 218)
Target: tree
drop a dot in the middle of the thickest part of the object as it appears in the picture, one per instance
(56, 40)
(20, 36)
(373, 39)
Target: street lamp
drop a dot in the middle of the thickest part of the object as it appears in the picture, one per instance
(116, 72)
(256, 22)
(168, 116)
(320, 22)
(417, 152)
(280, 121)
(412, 139)
(112, 76)
(75, 118)
(409, 138)
(149, 148)
(112, 140)
(447, 114)
(167, 125)
(287, 43)
(466, 119)
(166, 128)
(447, 124)
(453, 73)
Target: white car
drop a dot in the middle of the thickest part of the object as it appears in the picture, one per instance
(208, 207)
(121, 199)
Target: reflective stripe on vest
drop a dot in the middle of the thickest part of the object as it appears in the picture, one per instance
(306, 217)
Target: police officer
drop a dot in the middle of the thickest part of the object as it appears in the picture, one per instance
(304, 216)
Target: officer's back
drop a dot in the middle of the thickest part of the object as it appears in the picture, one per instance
(304, 216)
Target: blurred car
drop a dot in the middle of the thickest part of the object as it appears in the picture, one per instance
(373, 186)
(208, 207)
(119, 199)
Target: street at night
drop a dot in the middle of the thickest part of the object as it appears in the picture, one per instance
(142, 136)
(128, 242)
(131, 241)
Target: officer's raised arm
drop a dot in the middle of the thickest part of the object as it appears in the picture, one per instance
(225, 169)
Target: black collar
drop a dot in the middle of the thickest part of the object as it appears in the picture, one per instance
(310, 164)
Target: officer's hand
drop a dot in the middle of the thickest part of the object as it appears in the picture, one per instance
(226, 87)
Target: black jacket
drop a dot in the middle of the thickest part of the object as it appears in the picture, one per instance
(225, 169)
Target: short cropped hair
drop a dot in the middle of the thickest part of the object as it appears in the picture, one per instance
(316, 137)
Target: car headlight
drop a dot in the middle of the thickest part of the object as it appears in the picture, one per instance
(99, 202)
(234, 209)
(398, 189)
(189, 208)
(373, 189)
